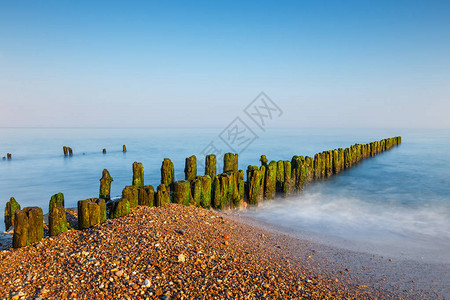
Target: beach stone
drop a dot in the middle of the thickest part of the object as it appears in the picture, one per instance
(11, 206)
(91, 212)
(138, 174)
(105, 185)
(201, 191)
(162, 195)
(146, 195)
(167, 172)
(120, 208)
(182, 192)
(190, 170)
(28, 226)
(210, 165)
(131, 193)
(57, 221)
(230, 162)
(271, 180)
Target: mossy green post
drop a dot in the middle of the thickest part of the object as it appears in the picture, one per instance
(167, 172)
(201, 191)
(298, 173)
(10, 209)
(241, 187)
(287, 182)
(120, 208)
(162, 195)
(56, 200)
(105, 185)
(230, 162)
(28, 226)
(263, 160)
(182, 192)
(210, 165)
(190, 169)
(280, 176)
(226, 190)
(146, 195)
(131, 193)
(57, 222)
(138, 174)
(91, 212)
(254, 182)
(317, 166)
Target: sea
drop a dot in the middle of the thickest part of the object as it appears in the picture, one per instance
(397, 203)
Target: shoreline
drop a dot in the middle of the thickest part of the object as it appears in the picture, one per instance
(301, 268)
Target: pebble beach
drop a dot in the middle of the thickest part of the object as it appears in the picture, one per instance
(174, 252)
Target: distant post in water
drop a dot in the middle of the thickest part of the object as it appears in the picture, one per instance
(167, 172)
(124, 148)
(65, 151)
(104, 150)
(190, 170)
(105, 185)
(8, 155)
(28, 226)
(210, 165)
(70, 151)
(10, 209)
(138, 174)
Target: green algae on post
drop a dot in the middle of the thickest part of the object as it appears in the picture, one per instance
(270, 186)
(255, 181)
(230, 162)
(105, 185)
(28, 226)
(210, 165)
(57, 222)
(11, 206)
(57, 200)
(167, 172)
(120, 208)
(263, 160)
(130, 192)
(190, 170)
(91, 212)
(201, 191)
(162, 195)
(182, 192)
(146, 195)
(138, 174)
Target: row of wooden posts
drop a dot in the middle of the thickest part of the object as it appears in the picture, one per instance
(221, 191)
(69, 152)
(8, 156)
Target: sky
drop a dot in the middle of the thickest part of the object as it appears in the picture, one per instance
(344, 64)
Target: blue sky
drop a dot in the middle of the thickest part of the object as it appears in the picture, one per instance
(198, 64)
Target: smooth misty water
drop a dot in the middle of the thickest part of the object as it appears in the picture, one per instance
(395, 203)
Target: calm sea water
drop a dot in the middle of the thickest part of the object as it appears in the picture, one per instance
(395, 203)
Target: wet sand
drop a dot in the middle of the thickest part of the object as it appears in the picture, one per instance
(181, 252)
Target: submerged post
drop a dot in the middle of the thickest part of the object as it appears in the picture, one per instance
(65, 151)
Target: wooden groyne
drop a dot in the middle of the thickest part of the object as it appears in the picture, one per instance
(225, 190)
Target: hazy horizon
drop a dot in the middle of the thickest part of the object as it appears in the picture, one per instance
(199, 64)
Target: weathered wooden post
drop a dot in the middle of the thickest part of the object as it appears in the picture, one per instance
(254, 183)
(70, 151)
(138, 174)
(146, 195)
(28, 226)
(287, 182)
(270, 187)
(120, 208)
(124, 148)
(241, 187)
(280, 176)
(57, 215)
(230, 162)
(91, 212)
(65, 151)
(131, 193)
(167, 172)
(182, 192)
(263, 160)
(105, 185)
(210, 165)
(201, 191)
(190, 170)
(10, 209)
(162, 195)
